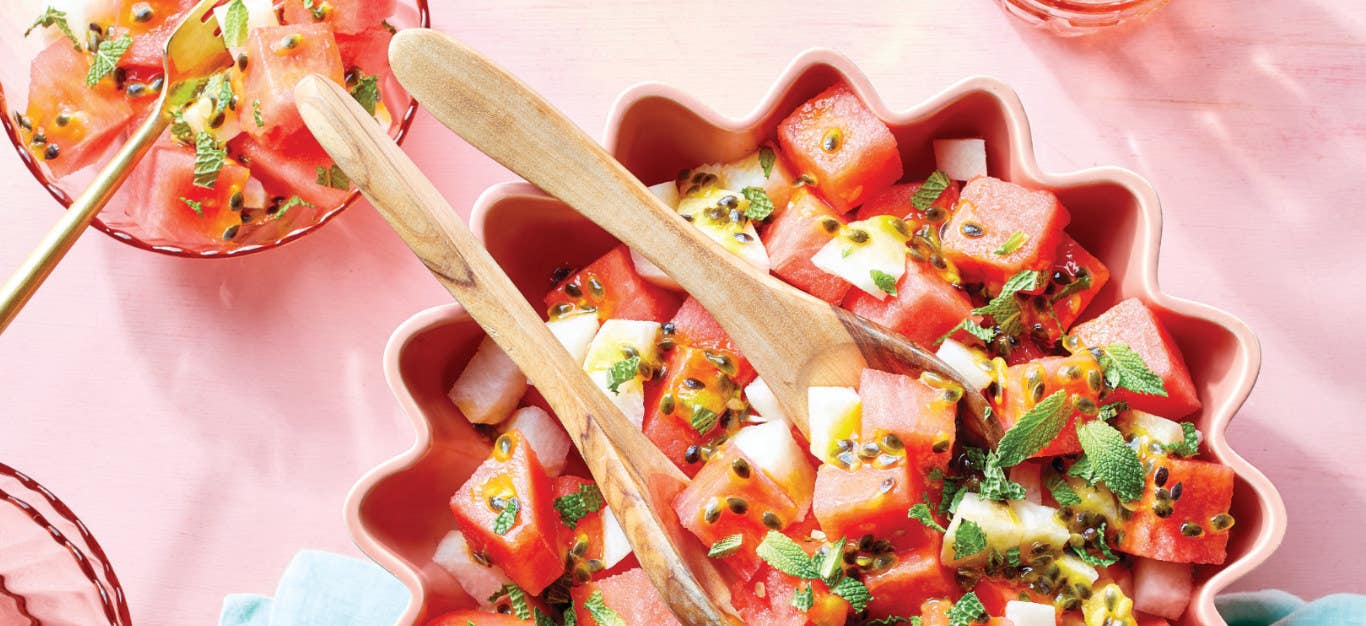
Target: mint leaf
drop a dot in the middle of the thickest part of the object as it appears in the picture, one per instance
(921, 513)
(805, 598)
(995, 485)
(766, 160)
(930, 190)
(1063, 492)
(1034, 430)
(542, 619)
(703, 419)
(293, 201)
(1004, 309)
(601, 614)
(219, 88)
(828, 568)
(1012, 557)
(333, 177)
(198, 207)
(621, 372)
(209, 156)
(1112, 460)
(506, 517)
(576, 506)
(107, 59)
(1081, 468)
(1081, 283)
(1011, 245)
(894, 619)
(966, 610)
(884, 281)
(256, 113)
(854, 592)
(784, 555)
(726, 546)
(968, 540)
(52, 17)
(760, 205)
(366, 92)
(1126, 369)
(180, 129)
(235, 24)
(1189, 445)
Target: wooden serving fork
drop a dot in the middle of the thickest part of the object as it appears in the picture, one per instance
(194, 52)
(636, 479)
(793, 339)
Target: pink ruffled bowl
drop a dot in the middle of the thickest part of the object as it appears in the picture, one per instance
(397, 513)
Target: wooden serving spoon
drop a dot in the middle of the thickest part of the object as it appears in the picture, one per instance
(794, 339)
(637, 480)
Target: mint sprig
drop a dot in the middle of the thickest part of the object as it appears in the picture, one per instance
(622, 372)
(1126, 369)
(760, 205)
(1034, 430)
(1111, 459)
(930, 190)
(107, 59)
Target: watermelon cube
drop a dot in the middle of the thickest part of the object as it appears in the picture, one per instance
(896, 201)
(1183, 515)
(767, 601)
(795, 235)
(869, 501)
(367, 51)
(1028, 383)
(342, 16)
(924, 308)
(1135, 325)
(171, 207)
(279, 57)
(1001, 228)
(834, 139)
(149, 33)
(629, 594)
(528, 550)
(692, 382)
(1074, 264)
(612, 287)
(916, 576)
(693, 325)
(729, 496)
(291, 168)
(916, 414)
(68, 125)
(476, 618)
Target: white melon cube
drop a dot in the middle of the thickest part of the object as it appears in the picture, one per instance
(762, 400)
(1075, 570)
(1038, 524)
(998, 524)
(618, 339)
(833, 414)
(1030, 614)
(575, 333)
(629, 396)
(478, 580)
(667, 192)
(544, 434)
(961, 159)
(1097, 500)
(615, 546)
(254, 194)
(965, 361)
(704, 207)
(490, 387)
(1151, 429)
(867, 252)
(771, 448)
(1160, 588)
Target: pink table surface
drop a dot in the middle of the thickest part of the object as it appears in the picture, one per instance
(207, 418)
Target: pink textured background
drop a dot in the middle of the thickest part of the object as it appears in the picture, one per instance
(207, 418)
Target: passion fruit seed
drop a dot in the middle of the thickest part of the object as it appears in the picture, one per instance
(832, 139)
(972, 230)
(231, 232)
(693, 454)
(887, 485)
(1189, 529)
(52, 152)
(693, 383)
(1221, 522)
(869, 451)
(1160, 477)
(830, 224)
(142, 12)
(712, 512)
(892, 442)
(740, 467)
(1162, 509)
(504, 445)
(857, 235)
(242, 61)
(772, 521)
(1095, 380)
(1176, 492)
(737, 505)
(291, 41)
(573, 290)
(595, 286)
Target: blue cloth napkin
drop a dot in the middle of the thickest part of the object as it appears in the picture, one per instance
(323, 589)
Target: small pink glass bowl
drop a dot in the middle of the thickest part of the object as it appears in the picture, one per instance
(52, 571)
(113, 220)
(397, 513)
(1071, 18)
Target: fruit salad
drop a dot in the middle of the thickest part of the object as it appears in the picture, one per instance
(1094, 509)
(236, 166)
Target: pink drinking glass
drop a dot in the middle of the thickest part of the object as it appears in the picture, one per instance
(1080, 17)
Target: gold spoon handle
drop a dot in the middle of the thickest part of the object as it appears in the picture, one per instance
(39, 265)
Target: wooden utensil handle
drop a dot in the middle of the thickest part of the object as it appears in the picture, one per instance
(635, 478)
(39, 265)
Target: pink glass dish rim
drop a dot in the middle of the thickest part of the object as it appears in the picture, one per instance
(65, 199)
(1268, 506)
